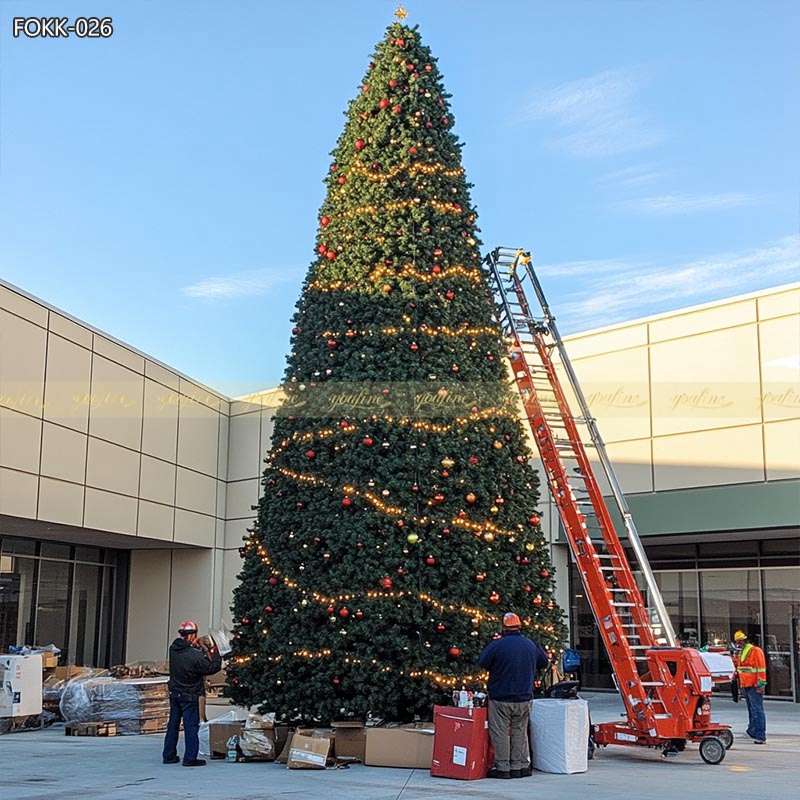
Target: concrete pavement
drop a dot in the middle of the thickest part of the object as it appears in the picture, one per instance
(46, 765)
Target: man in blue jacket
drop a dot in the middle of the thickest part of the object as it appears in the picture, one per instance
(513, 661)
(190, 660)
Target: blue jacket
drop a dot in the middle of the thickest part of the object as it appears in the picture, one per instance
(513, 662)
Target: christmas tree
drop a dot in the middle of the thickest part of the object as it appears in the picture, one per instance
(398, 520)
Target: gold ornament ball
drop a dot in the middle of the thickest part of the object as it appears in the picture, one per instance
(470, 498)
(447, 462)
(494, 509)
(412, 538)
(498, 445)
(488, 536)
(530, 547)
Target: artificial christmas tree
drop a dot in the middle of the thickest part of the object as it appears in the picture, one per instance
(398, 520)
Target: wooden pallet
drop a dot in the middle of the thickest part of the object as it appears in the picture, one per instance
(91, 729)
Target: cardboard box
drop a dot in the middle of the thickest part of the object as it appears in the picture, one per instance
(68, 673)
(276, 734)
(351, 740)
(309, 752)
(218, 735)
(283, 756)
(409, 746)
(49, 660)
(460, 743)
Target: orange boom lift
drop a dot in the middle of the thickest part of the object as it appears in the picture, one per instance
(666, 688)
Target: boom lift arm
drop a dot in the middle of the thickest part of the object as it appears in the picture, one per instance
(666, 688)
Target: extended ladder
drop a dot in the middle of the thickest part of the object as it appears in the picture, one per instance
(627, 627)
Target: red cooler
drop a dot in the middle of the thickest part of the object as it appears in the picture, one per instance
(460, 743)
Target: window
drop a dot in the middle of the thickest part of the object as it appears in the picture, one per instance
(72, 597)
(729, 602)
(781, 604)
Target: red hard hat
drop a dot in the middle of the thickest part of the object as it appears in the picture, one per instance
(188, 626)
(511, 620)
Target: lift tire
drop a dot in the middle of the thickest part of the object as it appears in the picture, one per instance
(727, 738)
(712, 750)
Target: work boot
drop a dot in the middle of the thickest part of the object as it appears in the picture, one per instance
(526, 772)
(496, 773)
(198, 762)
(173, 760)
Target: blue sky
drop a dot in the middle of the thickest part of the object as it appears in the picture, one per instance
(163, 184)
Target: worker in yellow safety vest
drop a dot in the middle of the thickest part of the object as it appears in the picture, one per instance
(751, 670)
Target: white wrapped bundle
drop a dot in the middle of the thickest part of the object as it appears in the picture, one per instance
(560, 735)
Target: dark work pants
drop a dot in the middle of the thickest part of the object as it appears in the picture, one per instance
(757, 722)
(187, 708)
(508, 729)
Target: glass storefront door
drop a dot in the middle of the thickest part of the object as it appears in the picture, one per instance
(781, 604)
(72, 597)
(730, 601)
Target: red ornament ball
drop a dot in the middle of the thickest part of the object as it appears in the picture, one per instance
(342, 179)
(325, 221)
(454, 652)
(414, 346)
(331, 609)
(344, 613)
(534, 519)
(494, 597)
(322, 249)
(436, 269)
(268, 609)
(310, 454)
(367, 441)
(473, 459)
(330, 255)
(336, 681)
(544, 573)
(273, 581)
(430, 561)
(397, 109)
(386, 582)
(347, 502)
(449, 295)
(384, 103)
(360, 144)
(295, 331)
(331, 342)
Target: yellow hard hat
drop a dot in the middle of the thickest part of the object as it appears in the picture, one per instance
(739, 635)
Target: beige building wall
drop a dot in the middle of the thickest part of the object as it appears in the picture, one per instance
(100, 444)
(705, 396)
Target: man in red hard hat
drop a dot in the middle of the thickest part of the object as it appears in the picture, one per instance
(513, 661)
(190, 660)
(751, 670)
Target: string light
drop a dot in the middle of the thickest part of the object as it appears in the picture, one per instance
(412, 169)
